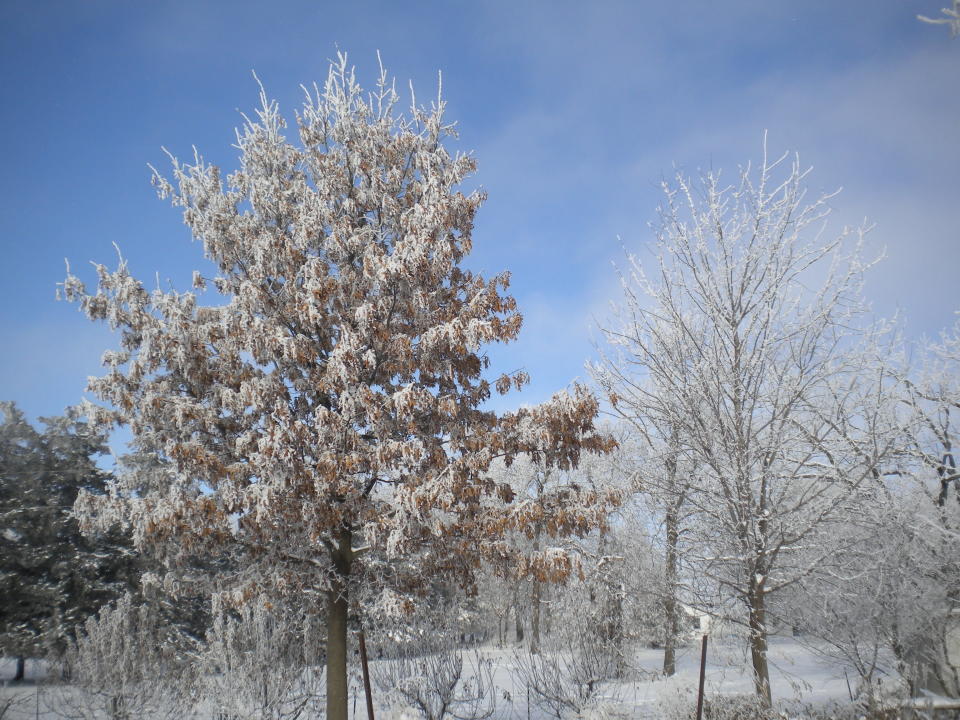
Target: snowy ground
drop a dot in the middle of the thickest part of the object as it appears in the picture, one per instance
(796, 674)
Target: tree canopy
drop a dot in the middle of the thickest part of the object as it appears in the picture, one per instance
(327, 402)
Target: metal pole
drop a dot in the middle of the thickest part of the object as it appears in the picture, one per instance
(366, 675)
(703, 674)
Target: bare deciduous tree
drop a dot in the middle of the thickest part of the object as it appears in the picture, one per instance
(740, 353)
(931, 396)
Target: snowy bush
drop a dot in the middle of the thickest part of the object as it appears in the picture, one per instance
(737, 707)
(682, 706)
(260, 663)
(13, 703)
(127, 662)
(438, 683)
(568, 682)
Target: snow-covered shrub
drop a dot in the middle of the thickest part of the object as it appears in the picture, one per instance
(127, 662)
(567, 682)
(683, 706)
(737, 707)
(12, 704)
(838, 711)
(587, 646)
(674, 701)
(437, 682)
(262, 662)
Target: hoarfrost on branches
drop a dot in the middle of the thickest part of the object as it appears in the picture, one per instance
(323, 408)
(951, 18)
(741, 354)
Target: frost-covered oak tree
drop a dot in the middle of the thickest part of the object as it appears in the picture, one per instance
(325, 405)
(742, 354)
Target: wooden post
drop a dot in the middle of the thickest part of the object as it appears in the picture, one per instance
(703, 674)
(366, 675)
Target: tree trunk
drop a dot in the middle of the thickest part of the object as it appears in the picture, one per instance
(535, 618)
(903, 665)
(519, 625)
(670, 609)
(758, 643)
(615, 629)
(21, 667)
(337, 609)
(535, 602)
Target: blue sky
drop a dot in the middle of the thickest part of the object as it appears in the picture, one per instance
(575, 111)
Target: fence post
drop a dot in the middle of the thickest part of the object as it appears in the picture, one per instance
(703, 674)
(366, 675)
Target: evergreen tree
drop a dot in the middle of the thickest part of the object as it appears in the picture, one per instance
(51, 577)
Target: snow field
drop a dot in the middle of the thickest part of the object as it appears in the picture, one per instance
(797, 675)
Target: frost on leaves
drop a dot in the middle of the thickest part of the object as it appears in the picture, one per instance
(330, 393)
